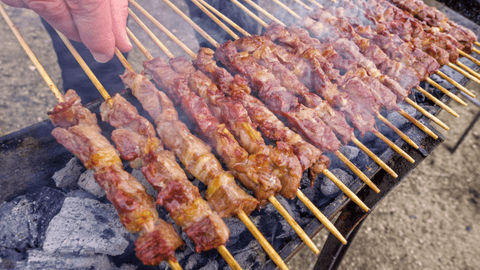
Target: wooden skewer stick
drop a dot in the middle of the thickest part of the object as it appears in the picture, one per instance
(427, 114)
(464, 73)
(289, 10)
(437, 101)
(399, 133)
(215, 19)
(264, 12)
(446, 92)
(303, 5)
(251, 14)
(315, 3)
(465, 67)
(172, 262)
(456, 84)
(477, 51)
(469, 57)
(476, 43)
(345, 190)
(261, 239)
(225, 18)
(354, 169)
(32, 56)
(374, 157)
(393, 146)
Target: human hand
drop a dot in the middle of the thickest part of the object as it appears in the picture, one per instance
(99, 24)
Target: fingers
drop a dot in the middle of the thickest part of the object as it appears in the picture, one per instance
(57, 14)
(93, 19)
(119, 23)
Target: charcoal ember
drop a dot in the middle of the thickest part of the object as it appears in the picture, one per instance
(141, 178)
(86, 226)
(23, 220)
(81, 193)
(88, 183)
(199, 260)
(211, 265)
(67, 177)
(237, 231)
(39, 260)
(329, 189)
(251, 257)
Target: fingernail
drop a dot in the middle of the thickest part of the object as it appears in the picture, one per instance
(101, 58)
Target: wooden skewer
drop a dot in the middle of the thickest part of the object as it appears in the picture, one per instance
(215, 19)
(172, 262)
(303, 5)
(315, 3)
(399, 133)
(289, 10)
(160, 26)
(418, 124)
(436, 101)
(476, 43)
(354, 169)
(225, 18)
(264, 12)
(459, 86)
(426, 113)
(465, 67)
(251, 14)
(464, 73)
(393, 146)
(469, 57)
(261, 239)
(374, 157)
(345, 190)
(446, 92)
(32, 56)
(476, 50)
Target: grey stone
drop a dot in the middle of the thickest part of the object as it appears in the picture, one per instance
(23, 221)
(86, 226)
(141, 178)
(68, 176)
(329, 189)
(39, 259)
(88, 183)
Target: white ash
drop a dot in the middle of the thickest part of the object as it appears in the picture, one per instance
(38, 259)
(67, 176)
(85, 227)
(88, 183)
(141, 178)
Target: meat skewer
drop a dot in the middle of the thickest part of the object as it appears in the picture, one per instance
(83, 124)
(304, 120)
(266, 120)
(443, 47)
(410, 102)
(197, 84)
(181, 198)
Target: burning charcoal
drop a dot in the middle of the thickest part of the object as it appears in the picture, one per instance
(38, 259)
(329, 189)
(67, 177)
(252, 256)
(88, 183)
(198, 260)
(141, 178)
(212, 265)
(86, 226)
(23, 220)
(80, 193)
(237, 230)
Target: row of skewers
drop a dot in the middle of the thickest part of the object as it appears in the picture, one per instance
(280, 66)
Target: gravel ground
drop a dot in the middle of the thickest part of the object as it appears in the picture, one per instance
(429, 222)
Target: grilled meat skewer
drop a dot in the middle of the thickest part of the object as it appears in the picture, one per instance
(136, 140)
(78, 131)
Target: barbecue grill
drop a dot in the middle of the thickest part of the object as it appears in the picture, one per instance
(33, 156)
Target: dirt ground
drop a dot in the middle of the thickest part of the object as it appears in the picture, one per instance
(431, 221)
